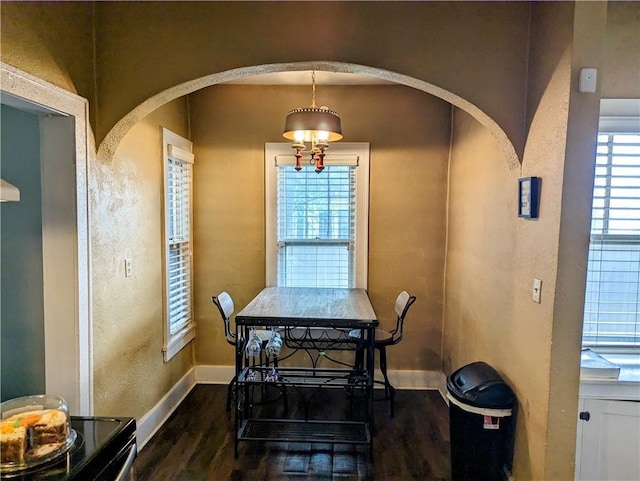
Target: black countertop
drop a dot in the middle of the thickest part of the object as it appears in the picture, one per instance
(101, 445)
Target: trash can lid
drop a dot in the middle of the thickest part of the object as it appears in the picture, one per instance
(478, 384)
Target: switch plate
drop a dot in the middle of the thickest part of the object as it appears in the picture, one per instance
(127, 267)
(536, 291)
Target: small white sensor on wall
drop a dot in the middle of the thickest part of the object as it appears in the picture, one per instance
(588, 79)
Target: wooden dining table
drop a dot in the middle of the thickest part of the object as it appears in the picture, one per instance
(289, 309)
(302, 306)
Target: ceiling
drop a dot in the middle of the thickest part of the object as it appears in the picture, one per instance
(304, 78)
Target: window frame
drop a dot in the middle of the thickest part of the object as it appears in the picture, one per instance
(183, 150)
(617, 116)
(358, 149)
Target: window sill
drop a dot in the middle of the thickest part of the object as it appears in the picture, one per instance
(626, 387)
(178, 342)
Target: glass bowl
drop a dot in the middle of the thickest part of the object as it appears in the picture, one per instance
(33, 430)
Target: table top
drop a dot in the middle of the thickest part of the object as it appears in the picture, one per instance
(301, 306)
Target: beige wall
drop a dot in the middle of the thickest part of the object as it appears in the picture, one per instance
(487, 311)
(621, 62)
(409, 135)
(130, 376)
(493, 256)
(475, 50)
(54, 44)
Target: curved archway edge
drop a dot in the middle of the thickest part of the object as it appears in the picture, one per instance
(110, 143)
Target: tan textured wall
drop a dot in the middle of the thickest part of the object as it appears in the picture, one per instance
(130, 375)
(52, 41)
(491, 262)
(548, 100)
(493, 256)
(621, 61)
(574, 232)
(488, 315)
(409, 135)
(476, 50)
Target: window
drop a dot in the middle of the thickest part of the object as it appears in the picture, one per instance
(179, 328)
(611, 315)
(317, 223)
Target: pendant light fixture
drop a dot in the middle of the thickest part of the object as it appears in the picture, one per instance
(313, 128)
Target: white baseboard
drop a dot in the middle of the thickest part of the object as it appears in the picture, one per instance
(206, 374)
(417, 380)
(401, 379)
(148, 424)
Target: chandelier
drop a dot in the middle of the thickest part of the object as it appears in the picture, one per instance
(311, 129)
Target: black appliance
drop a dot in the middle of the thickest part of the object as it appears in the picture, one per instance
(104, 450)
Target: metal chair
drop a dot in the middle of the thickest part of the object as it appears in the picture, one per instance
(224, 303)
(384, 338)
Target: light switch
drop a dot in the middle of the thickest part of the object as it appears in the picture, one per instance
(127, 267)
(535, 292)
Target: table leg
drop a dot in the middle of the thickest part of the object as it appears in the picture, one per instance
(371, 334)
(239, 356)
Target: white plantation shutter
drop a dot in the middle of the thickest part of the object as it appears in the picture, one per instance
(179, 287)
(612, 315)
(179, 180)
(316, 226)
(179, 269)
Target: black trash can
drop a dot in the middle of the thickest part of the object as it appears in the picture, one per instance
(481, 424)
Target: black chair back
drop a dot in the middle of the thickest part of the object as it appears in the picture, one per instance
(403, 302)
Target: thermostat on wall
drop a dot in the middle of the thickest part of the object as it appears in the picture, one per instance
(528, 197)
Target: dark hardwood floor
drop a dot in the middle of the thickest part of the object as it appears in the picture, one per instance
(196, 443)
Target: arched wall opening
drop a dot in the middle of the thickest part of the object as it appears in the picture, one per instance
(126, 209)
(110, 143)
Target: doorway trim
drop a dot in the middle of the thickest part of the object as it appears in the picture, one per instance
(65, 235)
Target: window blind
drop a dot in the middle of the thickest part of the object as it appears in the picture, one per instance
(179, 185)
(179, 287)
(179, 192)
(316, 226)
(612, 301)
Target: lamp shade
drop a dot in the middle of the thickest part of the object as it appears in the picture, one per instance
(8, 192)
(311, 121)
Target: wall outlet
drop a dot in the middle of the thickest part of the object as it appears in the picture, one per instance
(536, 291)
(127, 267)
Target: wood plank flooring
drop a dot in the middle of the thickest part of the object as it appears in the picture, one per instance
(196, 443)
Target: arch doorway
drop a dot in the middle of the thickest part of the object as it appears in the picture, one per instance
(108, 146)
